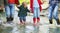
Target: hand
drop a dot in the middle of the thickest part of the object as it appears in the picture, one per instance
(17, 5)
(31, 11)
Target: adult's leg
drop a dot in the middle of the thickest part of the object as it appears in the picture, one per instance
(50, 14)
(38, 14)
(56, 14)
(35, 16)
(7, 10)
(12, 9)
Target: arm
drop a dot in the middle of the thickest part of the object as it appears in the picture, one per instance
(31, 6)
(17, 2)
(28, 10)
(19, 7)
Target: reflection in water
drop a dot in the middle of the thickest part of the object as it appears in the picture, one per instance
(6, 30)
(52, 30)
(36, 29)
(22, 28)
(30, 29)
(55, 30)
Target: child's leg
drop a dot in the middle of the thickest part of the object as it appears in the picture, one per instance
(35, 16)
(56, 14)
(20, 19)
(24, 19)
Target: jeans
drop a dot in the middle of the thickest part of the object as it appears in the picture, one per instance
(36, 12)
(22, 18)
(10, 10)
(53, 11)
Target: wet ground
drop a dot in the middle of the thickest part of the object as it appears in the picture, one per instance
(42, 27)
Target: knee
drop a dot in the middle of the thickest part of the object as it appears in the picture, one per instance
(55, 17)
(50, 16)
(24, 18)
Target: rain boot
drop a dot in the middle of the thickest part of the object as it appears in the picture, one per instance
(35, 21)
(8, 19)
(50, 21)
(11, 18)
(58, 22)
(38, 19)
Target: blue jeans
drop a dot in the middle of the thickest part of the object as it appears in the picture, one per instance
(10, 10)
(22, 18)
(53, 11)
(36, 12)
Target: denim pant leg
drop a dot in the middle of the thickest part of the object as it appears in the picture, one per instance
(24, 18)
(55, 13)
(35, 12)
(38, 12)
(7, 10)
(12, 9)
(21, 18)
(50, 12)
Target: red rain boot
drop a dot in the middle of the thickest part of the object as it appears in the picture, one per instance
(34, 20)
(38, 19)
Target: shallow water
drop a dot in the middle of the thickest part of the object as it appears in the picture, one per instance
(16, 28)
(30, 29)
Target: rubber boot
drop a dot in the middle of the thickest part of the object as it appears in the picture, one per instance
(11, 18)
(34, 20)
(38, 19)
(50, 21)
(8, 19)
(58, 22)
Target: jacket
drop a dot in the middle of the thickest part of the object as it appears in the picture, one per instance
(6, 2)
(31, 5)
(22, 11)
